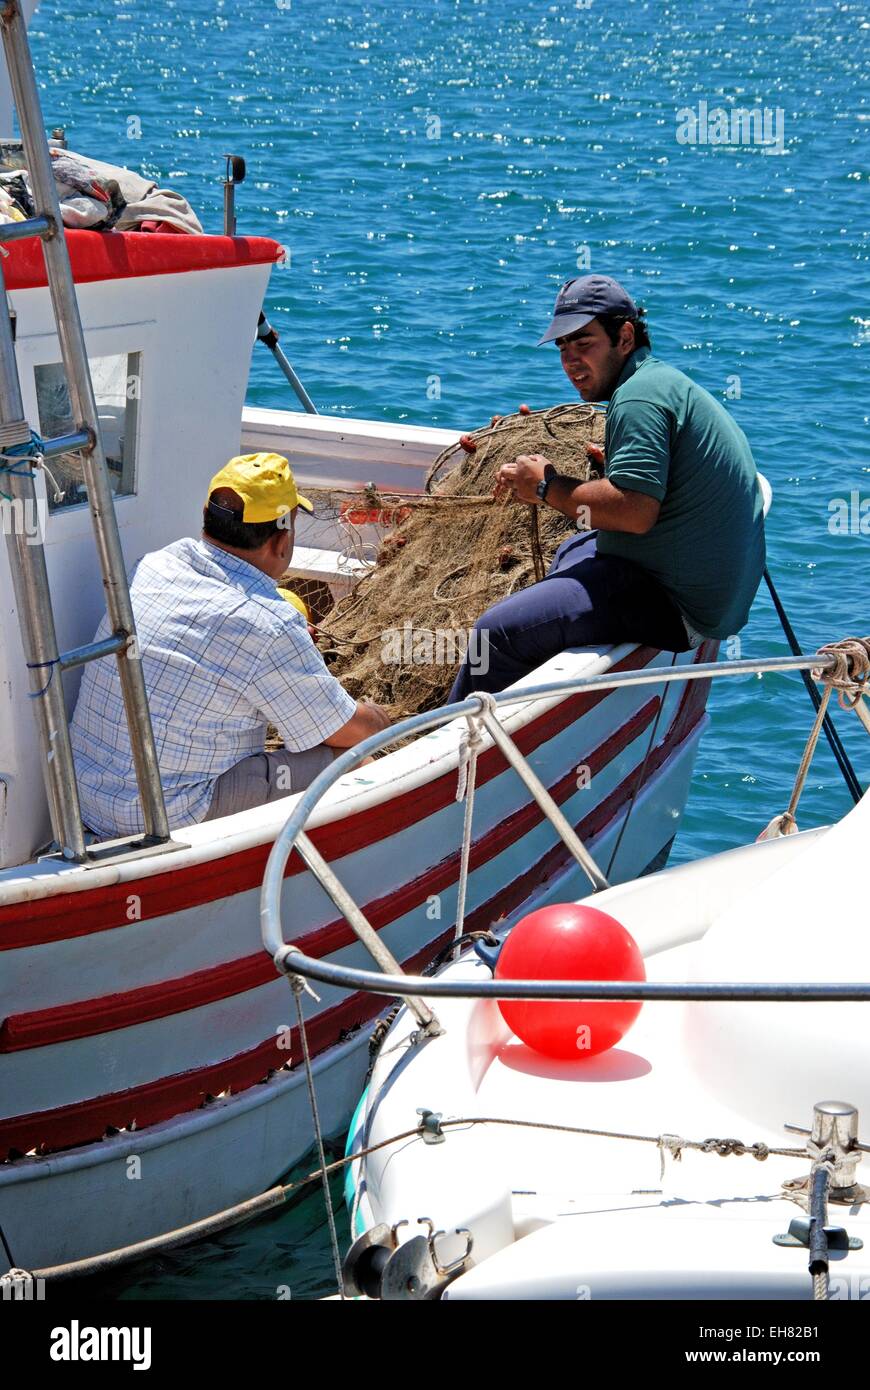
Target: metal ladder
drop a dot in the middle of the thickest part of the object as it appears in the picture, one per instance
(20, 455)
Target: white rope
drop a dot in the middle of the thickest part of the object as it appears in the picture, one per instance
(670, 1144)
(39, 462)
(786, 823)
(296, 986)
(469, 747)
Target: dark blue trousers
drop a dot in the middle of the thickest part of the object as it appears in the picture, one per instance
(585, 600)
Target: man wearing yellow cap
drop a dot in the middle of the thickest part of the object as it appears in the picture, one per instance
(223, 655)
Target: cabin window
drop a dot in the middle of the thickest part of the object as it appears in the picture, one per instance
(116, 388)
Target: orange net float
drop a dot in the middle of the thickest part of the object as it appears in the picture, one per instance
(356, 515)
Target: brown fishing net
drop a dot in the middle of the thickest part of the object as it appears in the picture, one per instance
(446, 556)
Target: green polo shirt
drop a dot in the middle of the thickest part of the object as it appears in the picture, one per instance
(668, 438)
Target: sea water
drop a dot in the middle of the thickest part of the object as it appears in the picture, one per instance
(435, 171)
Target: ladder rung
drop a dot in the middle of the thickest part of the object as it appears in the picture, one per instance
(92, 651)
(67, 444)
(32, 226)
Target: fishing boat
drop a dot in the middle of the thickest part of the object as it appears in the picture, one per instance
(666, 1165)
(149, 1063)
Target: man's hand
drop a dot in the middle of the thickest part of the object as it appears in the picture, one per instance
(520, 478)
(603, 505)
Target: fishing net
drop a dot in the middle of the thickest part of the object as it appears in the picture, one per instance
(445, 556)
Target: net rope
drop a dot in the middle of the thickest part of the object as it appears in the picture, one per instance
(445, 556)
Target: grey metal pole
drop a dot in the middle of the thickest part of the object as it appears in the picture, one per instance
(533, 784)
(266, 334)
(658, 991)
(229, 208)
(32, 596)
(380, 953)
(235, 173)
(75, 361)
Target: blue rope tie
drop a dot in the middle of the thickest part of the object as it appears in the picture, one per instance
(38, 665)
(15, 453)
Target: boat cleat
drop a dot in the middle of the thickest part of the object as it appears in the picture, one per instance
(833, 1139)
(430, 1125)
(416, 1270)
(835, 1152)
(800, 1231)
(378, 1267)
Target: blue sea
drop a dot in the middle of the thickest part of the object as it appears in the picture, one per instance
(435, 171)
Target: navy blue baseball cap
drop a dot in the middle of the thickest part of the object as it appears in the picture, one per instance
(582, 299)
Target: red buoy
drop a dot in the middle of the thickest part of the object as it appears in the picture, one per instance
(569, 941)
(467, 443)
(525, 410)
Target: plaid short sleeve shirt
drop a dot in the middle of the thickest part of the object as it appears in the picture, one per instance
(222, 654)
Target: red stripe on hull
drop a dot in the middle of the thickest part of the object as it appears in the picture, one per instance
(87, 1017)
(63, 916)
(87, 1121)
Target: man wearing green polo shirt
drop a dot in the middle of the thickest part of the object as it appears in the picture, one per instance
(670, 544)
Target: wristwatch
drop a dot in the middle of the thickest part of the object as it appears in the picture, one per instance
(549, 475)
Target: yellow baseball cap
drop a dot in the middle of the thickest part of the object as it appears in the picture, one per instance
(265, 484)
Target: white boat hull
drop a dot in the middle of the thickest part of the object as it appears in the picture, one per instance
(560, 1215)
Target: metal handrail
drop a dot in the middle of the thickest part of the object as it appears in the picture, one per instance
(796, 992)
(289, 960)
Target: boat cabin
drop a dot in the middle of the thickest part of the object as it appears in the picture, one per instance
(169, 324)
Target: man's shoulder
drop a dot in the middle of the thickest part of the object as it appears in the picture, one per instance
(180, 554)
(197, 564)
(205, 580)
(654, 381)
(684, 401)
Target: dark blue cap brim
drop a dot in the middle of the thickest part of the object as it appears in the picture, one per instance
(563, 325)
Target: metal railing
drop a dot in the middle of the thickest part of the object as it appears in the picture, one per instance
(290, 960)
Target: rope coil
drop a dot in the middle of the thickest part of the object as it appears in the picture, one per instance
(849, 675)
(21, 450)
(16, 432)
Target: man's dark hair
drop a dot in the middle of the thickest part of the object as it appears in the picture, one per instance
(612, 323)
(225, 524)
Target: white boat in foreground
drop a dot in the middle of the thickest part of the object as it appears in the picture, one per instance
(668, 1166)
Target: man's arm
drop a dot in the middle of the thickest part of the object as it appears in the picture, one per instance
(292, 687)
(599, 503)
(607, 507)
(366, 720)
